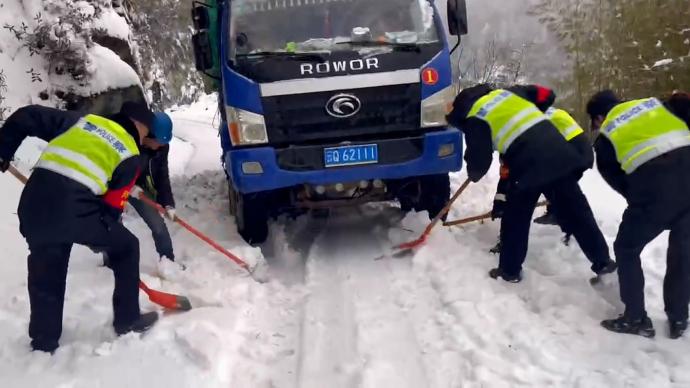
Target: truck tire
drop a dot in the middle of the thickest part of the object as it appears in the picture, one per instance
(435, 194)
(251, 216)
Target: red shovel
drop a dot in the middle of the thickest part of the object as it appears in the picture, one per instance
(169, 301)
(406, 248)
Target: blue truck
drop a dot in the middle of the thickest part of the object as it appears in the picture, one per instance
(328, 103)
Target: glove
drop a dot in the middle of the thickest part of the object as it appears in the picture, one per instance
(4, 165)
(475, 176)
(170, 213)
(136, 192)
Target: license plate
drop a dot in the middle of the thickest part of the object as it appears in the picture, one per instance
(351, 155)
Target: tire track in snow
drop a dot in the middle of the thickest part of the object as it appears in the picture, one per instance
(354, 330)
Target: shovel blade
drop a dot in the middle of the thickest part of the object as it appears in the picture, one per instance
(168, 301)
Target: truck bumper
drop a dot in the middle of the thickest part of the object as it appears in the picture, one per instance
(272, 176)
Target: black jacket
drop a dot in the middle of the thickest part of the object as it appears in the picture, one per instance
(582, 145)
(659, 174)
(51, 205)
(155, 168)
(538, 157)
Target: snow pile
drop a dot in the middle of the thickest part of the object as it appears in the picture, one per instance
(114, 24)
(336, 314)
(107, 71)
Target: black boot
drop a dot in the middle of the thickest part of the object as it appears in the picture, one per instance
(47, 347)
(497, 272)
(625, 325)
(610, 267)
(677, 329)
(546, 219)
(145, 322)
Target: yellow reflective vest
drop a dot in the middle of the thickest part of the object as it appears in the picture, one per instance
(565, 123)
(508, 115)
(641, 130)
(89, 152)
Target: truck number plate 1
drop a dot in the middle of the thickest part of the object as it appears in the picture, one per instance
(351, 155)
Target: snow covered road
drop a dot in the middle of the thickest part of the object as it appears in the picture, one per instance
(332, 315)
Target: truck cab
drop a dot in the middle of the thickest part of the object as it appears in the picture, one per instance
(329, 103)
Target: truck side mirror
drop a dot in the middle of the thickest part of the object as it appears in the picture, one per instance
(457, 17)
(200, 17)
(202, 51)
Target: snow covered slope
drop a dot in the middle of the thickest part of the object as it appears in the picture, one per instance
(332, 316)
(47, 51)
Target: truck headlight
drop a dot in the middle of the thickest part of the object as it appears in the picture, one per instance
(246, 127)
(436, 107)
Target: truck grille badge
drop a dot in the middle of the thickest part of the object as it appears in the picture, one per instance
(343, 105)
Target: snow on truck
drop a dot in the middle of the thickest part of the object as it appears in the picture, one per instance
(330, 102)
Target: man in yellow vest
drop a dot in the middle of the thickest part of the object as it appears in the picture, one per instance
(76, 195)
(573, 134)
(643, 152)
(576, 137)
(540, 160)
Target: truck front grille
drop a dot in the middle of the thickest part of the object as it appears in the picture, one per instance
(303, 118)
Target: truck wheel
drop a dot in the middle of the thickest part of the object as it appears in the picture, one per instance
(435, 194)
(251, 216)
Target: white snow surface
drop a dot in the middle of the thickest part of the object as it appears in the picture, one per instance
(108, 72)
(114, 24)
(332, 315)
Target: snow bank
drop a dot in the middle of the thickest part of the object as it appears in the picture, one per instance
(108, 71)
(113, 24)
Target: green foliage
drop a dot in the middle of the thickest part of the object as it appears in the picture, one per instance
(616, 43)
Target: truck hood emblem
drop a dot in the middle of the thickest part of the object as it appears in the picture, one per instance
(343, 105)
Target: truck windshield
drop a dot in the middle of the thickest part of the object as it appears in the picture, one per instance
(268, 26)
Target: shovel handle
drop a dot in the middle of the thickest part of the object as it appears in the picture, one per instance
(21, 177)
(197, 233)
(436, 219)
(480, 217)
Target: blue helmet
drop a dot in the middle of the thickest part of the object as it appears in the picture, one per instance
(162, 128)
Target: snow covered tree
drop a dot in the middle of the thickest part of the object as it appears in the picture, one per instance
(162, 34)
(496, 63)
(638, 48)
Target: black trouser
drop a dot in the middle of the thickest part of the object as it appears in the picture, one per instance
(571, 209)
(47, 266)
(641, 224)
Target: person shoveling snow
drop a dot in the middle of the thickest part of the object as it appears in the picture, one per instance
(76, 195)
